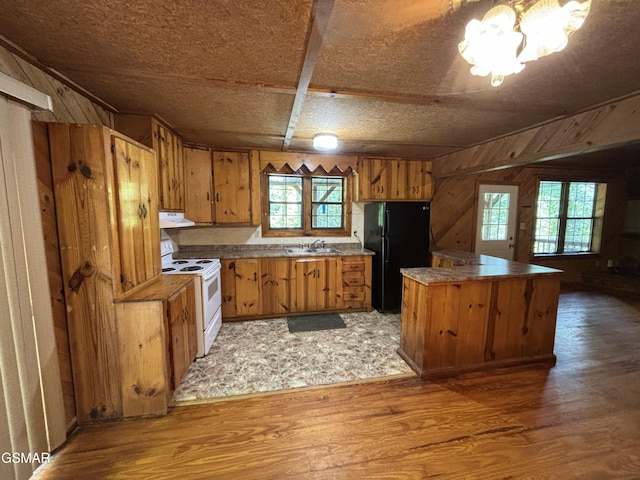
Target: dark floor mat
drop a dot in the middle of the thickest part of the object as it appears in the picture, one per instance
(312, 323)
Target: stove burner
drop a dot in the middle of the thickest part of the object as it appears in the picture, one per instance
(180, 262)
(204, 261)
(168, 269)
(191, 268)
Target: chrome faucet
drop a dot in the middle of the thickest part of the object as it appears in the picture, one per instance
(313, 245)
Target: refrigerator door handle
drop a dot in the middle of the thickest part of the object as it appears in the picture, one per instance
(387, 220)
(385, 239)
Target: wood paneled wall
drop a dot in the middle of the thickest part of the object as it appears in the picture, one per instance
(453, 214)
(70, 106)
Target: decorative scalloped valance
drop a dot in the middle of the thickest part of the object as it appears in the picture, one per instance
(286, 169)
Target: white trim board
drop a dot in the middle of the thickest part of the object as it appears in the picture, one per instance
(24, 93)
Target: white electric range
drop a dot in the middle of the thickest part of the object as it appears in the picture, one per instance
(208, 296)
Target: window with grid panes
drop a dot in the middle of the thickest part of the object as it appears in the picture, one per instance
(568, 217)
(306, 205)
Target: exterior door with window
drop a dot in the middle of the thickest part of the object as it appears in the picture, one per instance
(496, 221)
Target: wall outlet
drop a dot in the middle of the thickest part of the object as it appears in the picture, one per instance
(610, 263)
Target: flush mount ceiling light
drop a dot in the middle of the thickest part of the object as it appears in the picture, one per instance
(522, 31)
(325, 141)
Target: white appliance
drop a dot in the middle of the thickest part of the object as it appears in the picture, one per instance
(174, 220)
(208, 296)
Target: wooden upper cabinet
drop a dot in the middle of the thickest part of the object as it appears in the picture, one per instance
(232, 188)
(169, 154)
(137, 205)
(394, 179)
(419, 180)
(171, 174)
(198, 200)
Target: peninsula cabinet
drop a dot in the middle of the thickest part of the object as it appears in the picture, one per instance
(477, 317)
(231, 188)
(156, 343)
(394, 179)
(169, 156)
(198, 201)
(105, 188)
(275, 287)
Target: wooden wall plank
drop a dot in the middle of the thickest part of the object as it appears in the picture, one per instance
(603, 127)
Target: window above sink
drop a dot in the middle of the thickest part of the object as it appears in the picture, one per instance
(306, 204)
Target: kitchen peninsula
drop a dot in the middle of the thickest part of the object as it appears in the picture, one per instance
(477, 312)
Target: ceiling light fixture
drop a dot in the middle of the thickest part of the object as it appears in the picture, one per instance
(522, 31)
(325, 141)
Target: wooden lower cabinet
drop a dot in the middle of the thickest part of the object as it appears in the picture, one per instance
(157, 343)
(458, 327)
(271, 287)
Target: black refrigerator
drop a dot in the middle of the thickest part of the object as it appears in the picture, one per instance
(398, 233)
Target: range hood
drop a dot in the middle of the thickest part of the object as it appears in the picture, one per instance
(174, 220)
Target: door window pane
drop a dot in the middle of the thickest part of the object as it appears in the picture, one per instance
(495, 216)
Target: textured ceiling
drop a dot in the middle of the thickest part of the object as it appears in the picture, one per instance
(384, 75)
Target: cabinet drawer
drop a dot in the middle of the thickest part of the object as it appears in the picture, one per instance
(352, 280)
(353, 266)
(354, 296)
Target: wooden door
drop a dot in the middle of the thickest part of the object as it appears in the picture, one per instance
(247, 287)
(397, 180)
(311, 284)
(231, 185)
(199, 196)
(496, 220)
(138, 223)
(180, 311)
(171, 175)
(419, 180)
(378, 178)
(228, 287)
(275, 285)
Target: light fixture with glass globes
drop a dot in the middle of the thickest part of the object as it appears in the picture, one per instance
(325, 141)
(521, 31)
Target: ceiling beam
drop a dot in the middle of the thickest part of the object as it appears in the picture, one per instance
(608, 126)
(320, 14)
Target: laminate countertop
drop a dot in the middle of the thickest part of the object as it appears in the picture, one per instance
(231, 252)
(474, 267)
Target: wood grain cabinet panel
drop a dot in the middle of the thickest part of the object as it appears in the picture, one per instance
(198, 205)
(232, 188)
(294, 285)
(169, 156)
(275, 288)
(137, 206)
(157, 343)
(394, 179)
(107, 215)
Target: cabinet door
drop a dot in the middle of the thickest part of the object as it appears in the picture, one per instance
(240, 288)
(171, 173)
(228, 287)
(247, 287)
(378, 178)
(231, 185)
(311, 284)
(199, 196)
(138, 223)
(397, 179)
(419, 180)
(180, 311)
(275, 285)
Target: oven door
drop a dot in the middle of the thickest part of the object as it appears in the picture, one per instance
(211, 296)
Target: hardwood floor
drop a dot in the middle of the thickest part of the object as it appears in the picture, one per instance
(580, 419)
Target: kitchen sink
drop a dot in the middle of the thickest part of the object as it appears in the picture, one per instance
(310, 251)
